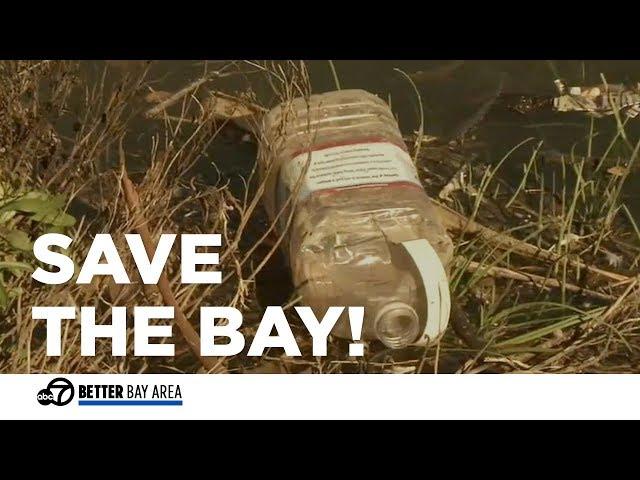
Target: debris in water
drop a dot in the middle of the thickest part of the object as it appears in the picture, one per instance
(598, 101)
(524, 104)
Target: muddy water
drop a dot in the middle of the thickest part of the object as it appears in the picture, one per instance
(450, 92)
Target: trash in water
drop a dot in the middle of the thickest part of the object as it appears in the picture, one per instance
(598, 101)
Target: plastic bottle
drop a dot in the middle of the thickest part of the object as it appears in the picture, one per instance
(360, 229)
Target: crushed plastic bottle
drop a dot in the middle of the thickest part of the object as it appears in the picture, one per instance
(360, 229)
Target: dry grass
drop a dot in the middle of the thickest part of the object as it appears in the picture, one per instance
(512, 324)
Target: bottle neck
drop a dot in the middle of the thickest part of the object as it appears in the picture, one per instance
(397, 325)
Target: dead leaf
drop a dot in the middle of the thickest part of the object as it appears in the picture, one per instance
(456, 183)
(228, 107)
(157, 96)
(242, 112)
(618, 171)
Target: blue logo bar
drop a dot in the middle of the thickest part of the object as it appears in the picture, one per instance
(129, 403)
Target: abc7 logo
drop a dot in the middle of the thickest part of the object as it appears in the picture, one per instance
(59, 392)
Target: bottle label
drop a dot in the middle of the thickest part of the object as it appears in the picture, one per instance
(348, 166)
